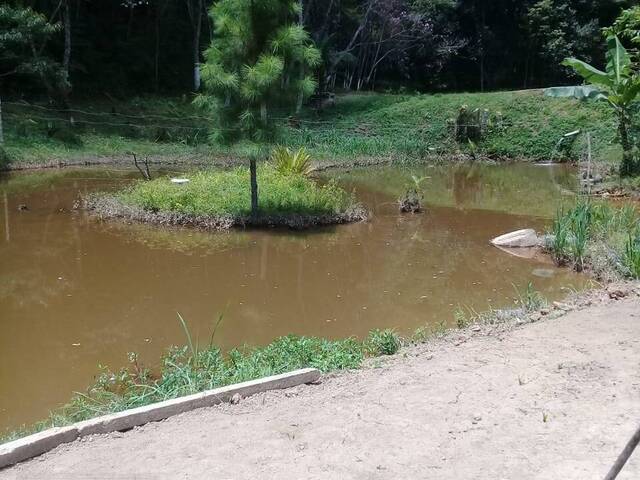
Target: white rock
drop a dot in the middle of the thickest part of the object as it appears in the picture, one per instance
(519, 238)
(180, 180)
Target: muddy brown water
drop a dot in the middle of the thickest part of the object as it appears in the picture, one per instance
(76, 293)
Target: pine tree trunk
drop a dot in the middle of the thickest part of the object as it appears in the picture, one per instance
(66, 59)
(254, 186)
(197, 28)
(1, 131)
(156, 58)
(300, 93)
(65, 87)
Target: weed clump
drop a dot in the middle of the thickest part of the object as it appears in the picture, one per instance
(632, 254)
(382, 342)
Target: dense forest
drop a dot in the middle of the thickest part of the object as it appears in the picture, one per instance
(123, 47)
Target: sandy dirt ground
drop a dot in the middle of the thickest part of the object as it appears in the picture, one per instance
(556, 399)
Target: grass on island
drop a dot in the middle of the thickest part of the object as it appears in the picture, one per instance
(224, 196)
(525, 125)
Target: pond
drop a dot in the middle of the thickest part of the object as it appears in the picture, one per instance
(76, 293)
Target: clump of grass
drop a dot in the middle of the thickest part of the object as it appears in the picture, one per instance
(631, 257)
(290, 162)
(579, 226)
(382, 342)
(425, 332)
(461, 318)
(594, 235)
(529, 298)
(559, 243)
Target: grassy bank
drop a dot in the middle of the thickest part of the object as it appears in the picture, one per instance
(599, 238)
(220, 199)
(193, 368)
(522, 125)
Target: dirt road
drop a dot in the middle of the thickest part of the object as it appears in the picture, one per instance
(556, 399)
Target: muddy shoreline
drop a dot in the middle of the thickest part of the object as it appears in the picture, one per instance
(107, 207)
(515, 395)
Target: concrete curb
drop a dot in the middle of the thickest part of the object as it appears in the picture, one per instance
(39, 443)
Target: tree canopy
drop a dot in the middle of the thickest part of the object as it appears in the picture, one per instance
(24, 34)
(125, 47)
(259, 59)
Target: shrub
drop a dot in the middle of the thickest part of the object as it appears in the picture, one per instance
(382, 342)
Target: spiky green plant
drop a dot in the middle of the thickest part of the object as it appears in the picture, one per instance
(559, 232)
(580, 226)
(290, 162)
(631, 255)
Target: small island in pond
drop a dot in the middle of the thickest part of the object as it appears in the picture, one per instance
(215, 200)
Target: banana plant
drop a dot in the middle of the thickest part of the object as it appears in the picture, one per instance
(618, 85)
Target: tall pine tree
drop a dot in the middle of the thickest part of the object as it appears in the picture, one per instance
(258, 66)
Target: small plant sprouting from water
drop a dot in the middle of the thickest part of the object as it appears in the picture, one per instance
(411, 201)
(382, 342)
